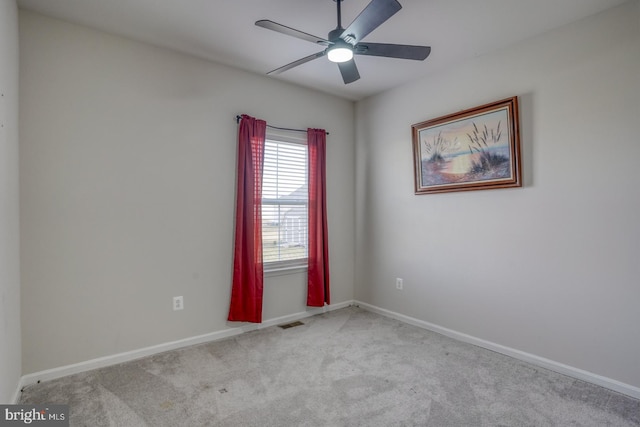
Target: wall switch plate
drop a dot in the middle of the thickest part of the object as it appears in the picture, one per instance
(399, 283)
(178, 303)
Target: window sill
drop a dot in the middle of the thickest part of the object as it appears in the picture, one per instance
(281, 271)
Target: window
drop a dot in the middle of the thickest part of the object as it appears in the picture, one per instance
(285, 198)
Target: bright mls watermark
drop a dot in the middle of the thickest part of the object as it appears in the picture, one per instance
(34, 415)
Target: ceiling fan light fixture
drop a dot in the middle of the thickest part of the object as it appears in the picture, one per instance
(343, 43)
(339, 53)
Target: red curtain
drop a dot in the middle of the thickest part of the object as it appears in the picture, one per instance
(318, 271)
(246, 291)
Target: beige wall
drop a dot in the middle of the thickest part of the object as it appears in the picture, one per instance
(10, 354)
(551, 269)
(127, 191)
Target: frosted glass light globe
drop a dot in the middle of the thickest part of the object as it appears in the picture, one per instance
(340, 54)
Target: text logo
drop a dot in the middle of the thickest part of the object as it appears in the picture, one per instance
(34, 415)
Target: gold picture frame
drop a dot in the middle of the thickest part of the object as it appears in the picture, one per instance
(474, 149)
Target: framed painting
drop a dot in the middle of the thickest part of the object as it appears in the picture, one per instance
(475, 149)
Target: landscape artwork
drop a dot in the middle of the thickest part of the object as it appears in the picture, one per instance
(474, 149)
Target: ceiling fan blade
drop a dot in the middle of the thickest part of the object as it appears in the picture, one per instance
(296, 63)
(369, 19)
(283, 29)
(349, 71)
(402, 51)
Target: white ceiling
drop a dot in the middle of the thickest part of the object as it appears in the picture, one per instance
(223, 31)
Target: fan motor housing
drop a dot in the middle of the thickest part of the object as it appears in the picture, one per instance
(335, 34)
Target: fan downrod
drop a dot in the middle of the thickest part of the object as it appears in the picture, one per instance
(339, 27)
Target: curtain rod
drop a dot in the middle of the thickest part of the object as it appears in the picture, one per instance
(238, 117)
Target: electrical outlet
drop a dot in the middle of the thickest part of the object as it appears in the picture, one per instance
(399, 284)
(178, 303)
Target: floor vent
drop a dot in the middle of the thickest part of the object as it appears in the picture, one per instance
(291, 325)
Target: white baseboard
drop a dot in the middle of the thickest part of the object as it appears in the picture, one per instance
(571, 371)
(101, 362)
(114, 359)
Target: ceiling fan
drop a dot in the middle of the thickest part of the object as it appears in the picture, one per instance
(342, 43)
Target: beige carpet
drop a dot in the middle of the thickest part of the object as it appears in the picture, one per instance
(349, 367)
